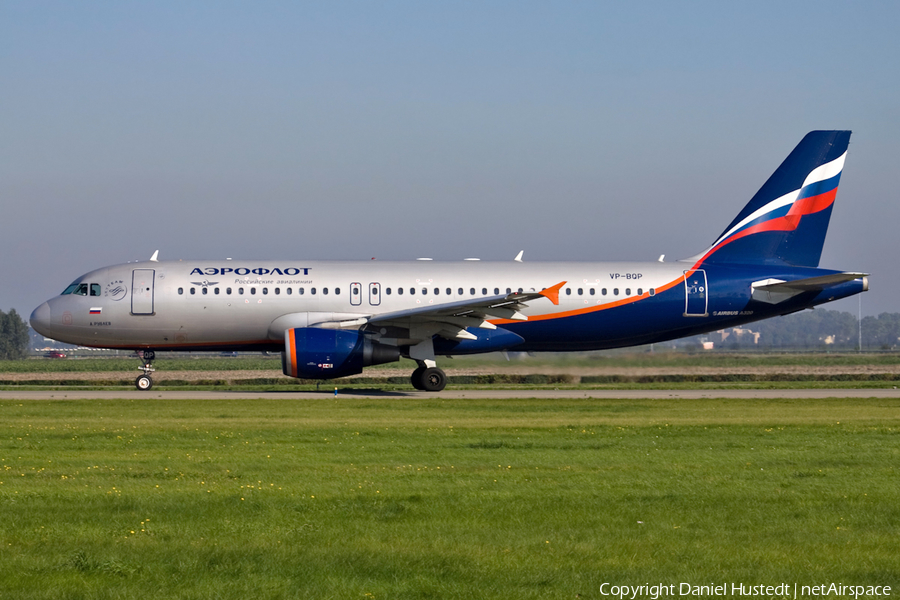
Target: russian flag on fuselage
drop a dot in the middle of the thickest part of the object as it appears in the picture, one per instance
(787, 219)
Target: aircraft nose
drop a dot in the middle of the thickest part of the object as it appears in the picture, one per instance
(40, 319)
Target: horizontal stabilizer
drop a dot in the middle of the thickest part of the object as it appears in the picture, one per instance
(773, 291)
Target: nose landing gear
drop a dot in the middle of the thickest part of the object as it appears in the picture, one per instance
(145, 382)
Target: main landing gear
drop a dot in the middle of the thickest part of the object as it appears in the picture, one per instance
(144, 382)
(428, 379)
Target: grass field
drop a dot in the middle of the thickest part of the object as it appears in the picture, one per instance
(432, 498)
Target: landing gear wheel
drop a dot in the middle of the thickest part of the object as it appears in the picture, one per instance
(416, 379)
(433, 380)
(144, 382)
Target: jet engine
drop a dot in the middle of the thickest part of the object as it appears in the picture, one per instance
(313, 353)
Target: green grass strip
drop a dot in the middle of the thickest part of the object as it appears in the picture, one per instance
(435, 498)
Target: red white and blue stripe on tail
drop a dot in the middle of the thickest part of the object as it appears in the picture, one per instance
(786, 221)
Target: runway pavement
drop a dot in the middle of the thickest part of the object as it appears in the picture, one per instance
(497, 394)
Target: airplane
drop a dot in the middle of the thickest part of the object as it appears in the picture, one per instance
(331, 319)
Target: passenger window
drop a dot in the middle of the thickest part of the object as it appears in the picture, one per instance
(193, 291)
(640, 292)
(508, 291)
(325, 291)
(412, 291)
(240, 291)
(520, 290)
(355, 291)
(496, 291)
(216, 291)
(651, 291)
(603, 291)
(95, 289)
(388, 291)
(277, 291)
(484, 291)
(460, 292)
(399, 291)
(288, 291)
(253, 291)
(337, 291)
(568, 291)
(615, 291)
(581, 291)
(592, 291)
(265, 291)
(627, 291)
(180, 291)
(449, 292)
(424, 291)
(471, 291)
(301, 291)
(205, 291)
(312, 291)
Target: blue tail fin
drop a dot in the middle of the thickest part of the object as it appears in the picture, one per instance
(786, 221)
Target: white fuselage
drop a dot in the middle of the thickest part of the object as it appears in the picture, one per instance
(172, 305)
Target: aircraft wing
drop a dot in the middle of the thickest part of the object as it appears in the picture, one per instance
(451, 319)
(773, 291)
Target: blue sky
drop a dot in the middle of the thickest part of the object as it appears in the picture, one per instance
(407, 129)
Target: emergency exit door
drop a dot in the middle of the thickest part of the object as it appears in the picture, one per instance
(374, 294)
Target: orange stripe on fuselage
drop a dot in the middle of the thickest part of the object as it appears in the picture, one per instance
(591, 309)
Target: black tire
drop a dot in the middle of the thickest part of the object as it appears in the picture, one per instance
(416, 379)
(143, 383)
(433, 380)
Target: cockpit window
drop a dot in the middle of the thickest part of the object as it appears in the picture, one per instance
(82, 289)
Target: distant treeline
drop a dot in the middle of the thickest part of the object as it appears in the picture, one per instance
(13, 336)
(817, 329)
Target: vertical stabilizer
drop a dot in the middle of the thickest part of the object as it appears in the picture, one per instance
(787, 219)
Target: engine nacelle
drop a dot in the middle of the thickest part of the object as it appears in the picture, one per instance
(312, 353)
